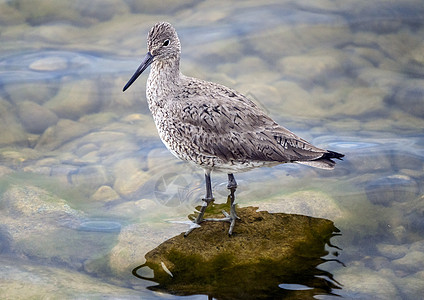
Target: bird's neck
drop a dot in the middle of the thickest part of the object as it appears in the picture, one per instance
(164, 79)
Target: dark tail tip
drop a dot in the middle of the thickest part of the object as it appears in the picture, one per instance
(332, 154)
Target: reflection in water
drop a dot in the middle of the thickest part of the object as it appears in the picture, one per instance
(268, 256)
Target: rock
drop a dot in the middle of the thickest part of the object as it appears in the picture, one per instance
(130, 177)
(30, 201)
(16, 157)
(405, 161)
(98, 119)
(10, 15)
(24, 91)
(311, 67)
(5, 171)
(409, 97)
(134, 242)
(367, 161)
(392, 251)
(53, 63)
(391, 189)
(412, 285)
(22, 208)
(75, 99)
(241, 71)
(86, 149)
(64, 131)
(101, 10)
(15, 134)
(158, 7)
(35, 118)
(264, 251)
(90, 177)
(412, 262)
(105, 194)
(5, 239)
(363, 283)
(284, 41)
(31, 214)
(146, 207)
(42, 280)
(310, 203)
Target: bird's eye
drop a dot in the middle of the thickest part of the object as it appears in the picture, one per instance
(166, 43)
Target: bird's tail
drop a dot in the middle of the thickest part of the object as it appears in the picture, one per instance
(325, 161)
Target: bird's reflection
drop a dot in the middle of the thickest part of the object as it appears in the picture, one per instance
(269, 256)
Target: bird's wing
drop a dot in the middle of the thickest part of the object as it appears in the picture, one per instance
(226, 124)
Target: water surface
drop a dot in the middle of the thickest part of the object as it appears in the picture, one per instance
(87, 189)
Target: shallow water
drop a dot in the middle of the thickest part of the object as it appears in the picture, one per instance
(87, 189)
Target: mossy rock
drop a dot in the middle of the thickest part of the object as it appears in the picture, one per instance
(264, 251)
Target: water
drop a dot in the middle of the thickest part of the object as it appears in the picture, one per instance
(87, 189)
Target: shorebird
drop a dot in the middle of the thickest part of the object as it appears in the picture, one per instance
(213, 126)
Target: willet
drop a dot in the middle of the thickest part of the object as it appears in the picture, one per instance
(213, 126)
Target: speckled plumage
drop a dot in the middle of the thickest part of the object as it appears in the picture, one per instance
(211, 125)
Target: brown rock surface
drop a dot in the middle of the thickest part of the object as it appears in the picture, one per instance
(264, 251)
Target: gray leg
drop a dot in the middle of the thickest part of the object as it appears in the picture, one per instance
(208, 199)
(232, 186)
(232, 217)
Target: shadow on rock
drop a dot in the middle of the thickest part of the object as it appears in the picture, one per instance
(268, 256)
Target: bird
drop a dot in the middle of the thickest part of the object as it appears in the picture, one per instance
(213, 126)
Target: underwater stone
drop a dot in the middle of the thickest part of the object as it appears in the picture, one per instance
(35, 118)
(105, 193)
(395, 188)
(75, 99)
(15, 134)
(410, 97)
(42, 281)
(64, 131)
(129, 177)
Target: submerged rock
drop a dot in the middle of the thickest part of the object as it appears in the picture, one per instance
(265, 250)
(391, 189)
(40, 226)
(35, 118)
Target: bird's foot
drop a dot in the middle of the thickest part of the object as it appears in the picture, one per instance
(199, 219)
(228, 217)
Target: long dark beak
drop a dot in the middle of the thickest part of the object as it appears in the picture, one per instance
(148, 59)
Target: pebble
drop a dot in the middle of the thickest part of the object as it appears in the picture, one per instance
(105, 194)
(75, 99)
(309, 203)
(15, 133)
(5, 171)
(41, 280)
(90, 177)
(24, 91)
(412, 262)
(410, 97)
(310, 67)
(129, 177)
(392, 251)
(394, 188)
(64, 131)
(361, 283)
(54, 63)
(133, 243)
(35, 118)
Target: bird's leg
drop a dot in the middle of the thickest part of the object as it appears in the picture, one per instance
(208, 199)
(232, 186)
(232, 217)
